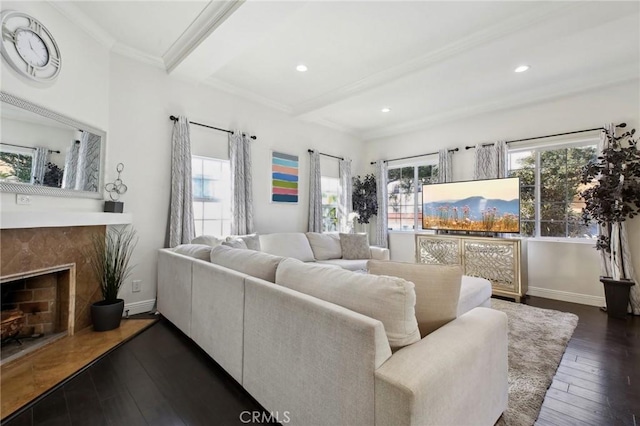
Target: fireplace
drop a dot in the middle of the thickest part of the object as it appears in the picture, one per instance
(47, 279)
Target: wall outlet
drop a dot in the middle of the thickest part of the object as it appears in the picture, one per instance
(136, 286)
(23, 199)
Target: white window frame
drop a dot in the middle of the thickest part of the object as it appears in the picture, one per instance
(209, 200)
(538, 148)
(417, 226)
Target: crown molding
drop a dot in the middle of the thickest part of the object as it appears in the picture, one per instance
(518, 100)
(332, 125)
(138, 55)
(211, 17)
(247, 94)
(70, 11)
(465, 44)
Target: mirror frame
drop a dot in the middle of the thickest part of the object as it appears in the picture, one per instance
(24, 188)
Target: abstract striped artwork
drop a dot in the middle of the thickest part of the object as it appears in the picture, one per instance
(284, 178)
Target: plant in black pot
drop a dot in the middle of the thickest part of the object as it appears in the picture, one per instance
(612, 196)
(110, 258)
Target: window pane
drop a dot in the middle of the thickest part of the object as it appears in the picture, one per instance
(553, 229)
(527, 228)
(16, 167)
(527, 210)
(197, 210)
(211, 181)
(330, 201)
(198, 225)
(212, 210)
(553, 211)
(226, 227)
(211, 169)
(212, 227)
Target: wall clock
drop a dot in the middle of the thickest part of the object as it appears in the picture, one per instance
(29, 48)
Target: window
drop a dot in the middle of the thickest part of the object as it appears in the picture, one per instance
(16, 164)
(211, 181)
(330, 198)
(404, 188)
(549, 186)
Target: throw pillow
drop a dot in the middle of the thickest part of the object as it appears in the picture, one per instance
(355, 246)
(437, 290)
(252, 241)
(235, 243)
(208, 240)
(197, 251)
(287, 244)
(390, 300)
(325, 246)
(250, 262)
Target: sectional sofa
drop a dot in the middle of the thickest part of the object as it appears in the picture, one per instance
(320, 345)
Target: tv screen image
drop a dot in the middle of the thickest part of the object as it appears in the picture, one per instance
(491, 205)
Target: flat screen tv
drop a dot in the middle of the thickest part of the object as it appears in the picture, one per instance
(491, 205)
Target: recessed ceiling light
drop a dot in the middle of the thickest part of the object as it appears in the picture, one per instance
(301, 68)
(522, 68)
(386, 109)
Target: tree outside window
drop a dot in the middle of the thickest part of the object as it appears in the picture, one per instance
(549, 189)
(404, 189)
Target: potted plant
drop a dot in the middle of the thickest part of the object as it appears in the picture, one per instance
(612, 196)
(110, 257)
(364, 197)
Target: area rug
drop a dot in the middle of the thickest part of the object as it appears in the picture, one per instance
(537, 341)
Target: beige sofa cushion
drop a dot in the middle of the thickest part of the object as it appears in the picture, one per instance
(197, 251)
(250, 262)
(355, 246)
(390, 300)
(208, 240)
(236, 243)
(251, 241)
(325, 246)
(437, 290)
(287, 244)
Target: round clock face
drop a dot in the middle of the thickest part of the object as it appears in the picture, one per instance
(29, 48)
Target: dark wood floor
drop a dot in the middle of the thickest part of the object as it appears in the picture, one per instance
(161, 378)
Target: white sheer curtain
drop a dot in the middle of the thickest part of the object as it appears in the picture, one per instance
(445, 171)
(181, 224)
(40, 158)
(618, 263)
(381, 217)
(490, 161)
(315, 193)
(346, 190)
(241, 184)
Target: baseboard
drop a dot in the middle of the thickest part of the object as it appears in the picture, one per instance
(141, 307)
(565, 296)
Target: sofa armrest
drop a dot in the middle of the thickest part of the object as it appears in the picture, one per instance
(461, 365)
(379, 253)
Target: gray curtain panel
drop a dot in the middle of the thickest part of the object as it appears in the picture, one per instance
(618, 264)
(346, 191)
(382, 219)
(181, 224)
(71, 166)
(315, 193)
(88, 166)
(445, 171)
(40, 158)
(490, 161)
(241, 184)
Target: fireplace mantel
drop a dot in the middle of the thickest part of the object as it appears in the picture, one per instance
(53, 219)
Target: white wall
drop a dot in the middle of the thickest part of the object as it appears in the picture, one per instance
(567, 271)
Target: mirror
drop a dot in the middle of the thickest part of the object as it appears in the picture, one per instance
(46, 153)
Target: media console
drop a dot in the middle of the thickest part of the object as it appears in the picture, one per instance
(500, 260)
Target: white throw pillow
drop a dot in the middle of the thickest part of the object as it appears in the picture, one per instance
(287, 244)
(250, 262)
(208, 240)
(252, 241)
(197, 251)
(235, 243)
(437, 290)
(325, 246)
(390, 300)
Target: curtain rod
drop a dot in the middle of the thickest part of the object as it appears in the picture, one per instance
(326, 155)
(415, 156)
(174, 118)
(27, 147)
(622, 125)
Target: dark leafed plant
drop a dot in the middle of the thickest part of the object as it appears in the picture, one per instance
(613, 180)
(364, 197)
(110, 259)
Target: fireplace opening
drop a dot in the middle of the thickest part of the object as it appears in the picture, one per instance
(35, 311)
